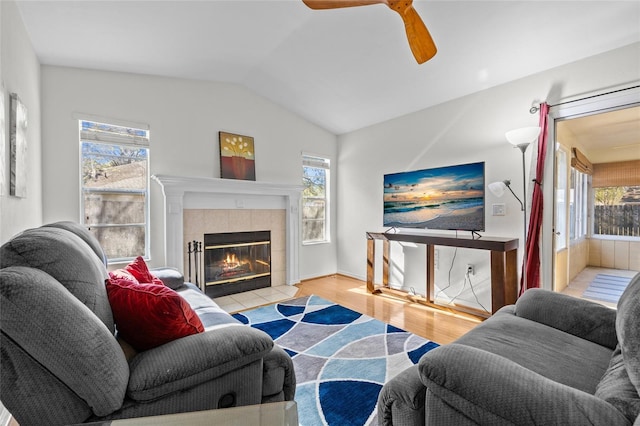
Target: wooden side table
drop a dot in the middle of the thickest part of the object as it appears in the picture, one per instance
(504, 266)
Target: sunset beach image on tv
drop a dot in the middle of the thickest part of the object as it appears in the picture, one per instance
(449, 198)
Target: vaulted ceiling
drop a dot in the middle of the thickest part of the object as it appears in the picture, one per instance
(342, 69)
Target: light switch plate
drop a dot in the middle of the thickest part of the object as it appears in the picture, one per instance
(499, 209)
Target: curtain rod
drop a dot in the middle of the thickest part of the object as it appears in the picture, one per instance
(536, 105)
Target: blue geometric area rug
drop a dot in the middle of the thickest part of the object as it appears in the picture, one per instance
(607, 288)
(341, 357)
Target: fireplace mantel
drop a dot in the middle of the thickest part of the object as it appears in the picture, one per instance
(201, 192)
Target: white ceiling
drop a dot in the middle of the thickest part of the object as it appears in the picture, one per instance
(607, 136)
(342, 69)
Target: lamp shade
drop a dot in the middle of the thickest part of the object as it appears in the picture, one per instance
(524, 135)
(497, 188)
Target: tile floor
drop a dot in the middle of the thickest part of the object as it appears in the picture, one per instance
(580, 283)
(251, 299)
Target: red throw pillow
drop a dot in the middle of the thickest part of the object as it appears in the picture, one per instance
(138, 268)
(149, 315)
(124, 275)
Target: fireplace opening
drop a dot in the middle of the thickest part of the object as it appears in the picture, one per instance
(235, 262)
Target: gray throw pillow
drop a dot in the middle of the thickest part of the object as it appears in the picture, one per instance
(170, 277)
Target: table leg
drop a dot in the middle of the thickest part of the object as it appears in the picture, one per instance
(504, 278)
(431, 273)
(386, 255)
(371, 254)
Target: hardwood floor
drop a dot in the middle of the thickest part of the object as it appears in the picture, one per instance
(439, 326)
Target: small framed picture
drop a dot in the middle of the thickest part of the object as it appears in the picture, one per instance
(237, 157)
(3, 129)
(18, 144)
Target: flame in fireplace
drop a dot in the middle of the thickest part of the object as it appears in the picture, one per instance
(231, 261)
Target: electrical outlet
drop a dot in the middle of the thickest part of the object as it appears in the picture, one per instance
(499, 209)
(471, 269)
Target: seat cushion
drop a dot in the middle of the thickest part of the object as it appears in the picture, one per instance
(577, 362)
(211, 315)
(149, 315)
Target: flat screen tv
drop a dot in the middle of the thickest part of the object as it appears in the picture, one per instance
(443, 198)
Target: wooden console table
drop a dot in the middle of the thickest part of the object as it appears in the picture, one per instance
(504, 266)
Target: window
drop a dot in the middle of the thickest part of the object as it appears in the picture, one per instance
(315, 199)
(617, 199)
(616, 211)
(115, 188)
(578, 205)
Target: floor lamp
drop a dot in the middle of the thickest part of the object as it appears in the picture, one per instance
(519, 138)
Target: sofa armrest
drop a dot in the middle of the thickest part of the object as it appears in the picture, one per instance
(583, 318)
(401, 400)
(195, 359)
(490, 389)
(170, 277)
(279, 376)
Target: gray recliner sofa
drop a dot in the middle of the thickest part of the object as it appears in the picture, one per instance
(60, 360)
(550, 359)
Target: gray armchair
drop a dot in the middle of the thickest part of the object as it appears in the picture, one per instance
(550, 359)
(60, 360)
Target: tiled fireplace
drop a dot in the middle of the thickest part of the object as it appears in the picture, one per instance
(235, 262)
(198, 223)
(198, 206)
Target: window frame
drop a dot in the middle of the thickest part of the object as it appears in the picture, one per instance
(561, 198)
(139, 139)
(320, 162)
(578, 205)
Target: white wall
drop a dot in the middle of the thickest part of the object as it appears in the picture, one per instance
(20, 73)
(464, 130)
(184, 118)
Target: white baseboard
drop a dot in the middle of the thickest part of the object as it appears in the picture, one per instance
(350, 275)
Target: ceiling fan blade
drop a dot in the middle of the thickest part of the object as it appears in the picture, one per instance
(335, 4)
(420, 41)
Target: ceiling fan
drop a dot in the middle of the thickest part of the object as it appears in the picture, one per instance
(420, 40)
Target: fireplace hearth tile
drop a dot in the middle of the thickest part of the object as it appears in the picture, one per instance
(246, 297)
(268, 291)
(251, 299)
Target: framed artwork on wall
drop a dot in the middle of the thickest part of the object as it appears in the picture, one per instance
(18, 144)
(237, 157)
(3, 129)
